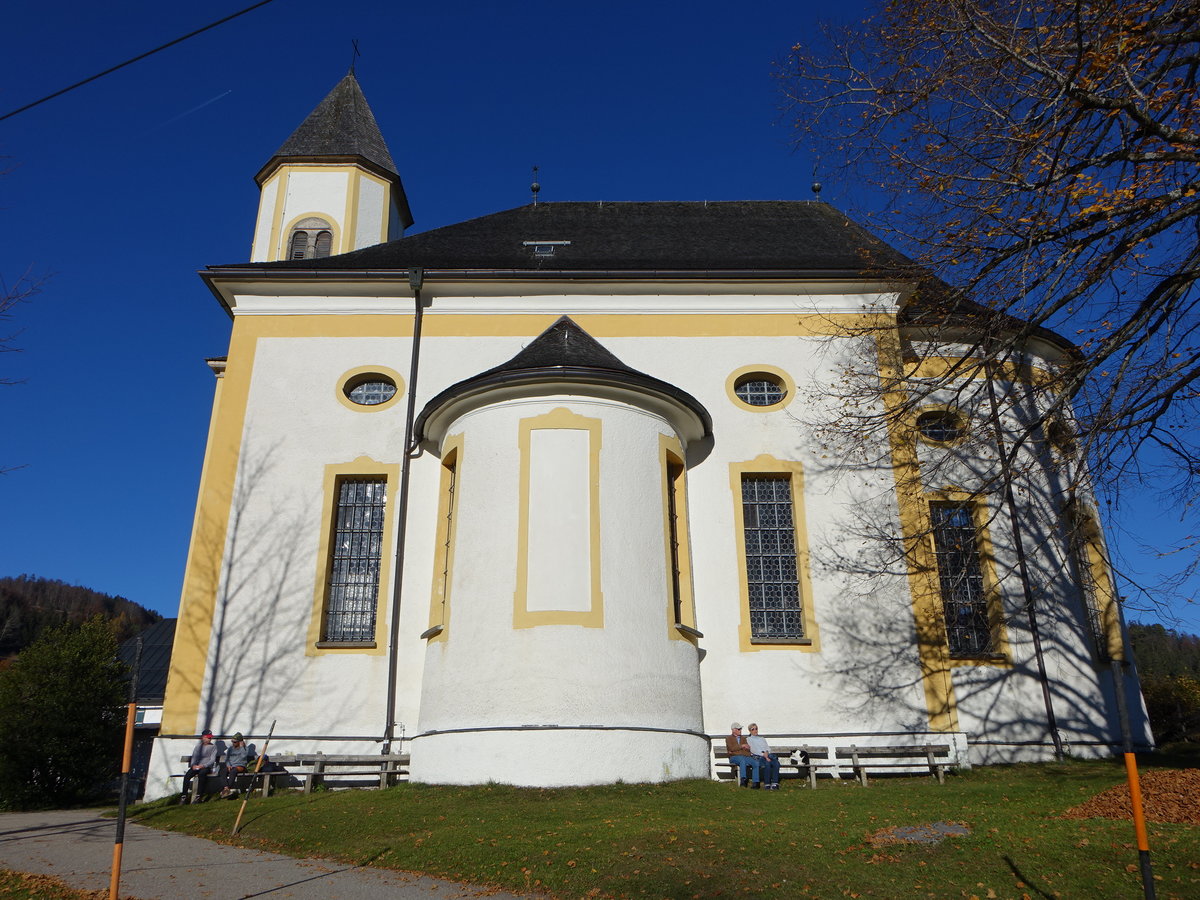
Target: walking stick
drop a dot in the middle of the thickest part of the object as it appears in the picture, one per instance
(257, 767)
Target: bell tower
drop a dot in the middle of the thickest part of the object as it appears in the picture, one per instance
(332, 187)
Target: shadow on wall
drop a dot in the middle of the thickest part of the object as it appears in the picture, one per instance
(871, 446)
(260, 573)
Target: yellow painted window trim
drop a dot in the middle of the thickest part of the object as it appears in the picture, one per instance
(444, 543)
(352, 375)
(937, 684)
(789, 387)
(1091, 542)
(770, 465)
(361, 467)
(350, 222)
(523, 617)
(940, 367)
(982, 517)
(671, 455)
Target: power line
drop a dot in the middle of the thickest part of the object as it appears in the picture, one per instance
(127, 62)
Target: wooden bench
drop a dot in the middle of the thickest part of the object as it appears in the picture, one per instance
(806, 767)
(248, 777)
(387, 768)
(933, 756)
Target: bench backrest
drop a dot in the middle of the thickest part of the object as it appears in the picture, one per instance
(922, 751)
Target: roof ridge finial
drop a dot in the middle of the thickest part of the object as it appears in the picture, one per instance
(816, 185)
(535, 187)
(355, 54)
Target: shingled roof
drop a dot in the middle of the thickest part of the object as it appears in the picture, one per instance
(564, 354)
(341, 128)
(744, 236)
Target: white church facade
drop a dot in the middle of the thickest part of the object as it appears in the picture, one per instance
(536, 498)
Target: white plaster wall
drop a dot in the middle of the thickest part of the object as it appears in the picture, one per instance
(1002, 708)
(488, 674)
(269, 198)
(372, 201)
(559, 757)
(318, 193)
(863, 676)
(261, 667)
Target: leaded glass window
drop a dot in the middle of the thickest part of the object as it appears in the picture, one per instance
(772, 578)
(760, 389)
(371, 390)
(960, 574)
(353, 590)
(941, 426)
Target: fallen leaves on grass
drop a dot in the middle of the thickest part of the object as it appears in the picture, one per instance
(46, 886)
(1168, 795)
(933, 833)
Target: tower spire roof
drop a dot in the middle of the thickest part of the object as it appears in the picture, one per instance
(341, 125)
(340, 128)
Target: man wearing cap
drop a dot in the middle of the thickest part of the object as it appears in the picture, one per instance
(740, 755)
(204, 760)
(768, 762)
(237, 759)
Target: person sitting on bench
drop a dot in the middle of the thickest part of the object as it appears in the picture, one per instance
(203, 761)
(740, 755)
(237, 760)
(768, 762)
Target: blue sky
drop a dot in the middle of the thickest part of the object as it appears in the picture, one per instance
(118, 192)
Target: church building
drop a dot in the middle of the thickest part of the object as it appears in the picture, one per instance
(551, 496)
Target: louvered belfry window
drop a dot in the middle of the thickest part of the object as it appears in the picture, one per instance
(353, 590)
(299, 247)
(324, 244)
(960, 575)
(772, 577)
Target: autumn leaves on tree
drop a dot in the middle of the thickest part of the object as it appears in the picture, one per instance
(1041, 158)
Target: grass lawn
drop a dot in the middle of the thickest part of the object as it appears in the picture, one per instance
(703, 839)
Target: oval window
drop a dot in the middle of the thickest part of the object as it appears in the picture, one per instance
(1061, 436)
(760, 389)
(370, 390)
(942, 426)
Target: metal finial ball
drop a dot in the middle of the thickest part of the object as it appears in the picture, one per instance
(535, 187)
(816, 188)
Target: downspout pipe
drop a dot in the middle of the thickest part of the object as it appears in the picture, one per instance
(416, 278)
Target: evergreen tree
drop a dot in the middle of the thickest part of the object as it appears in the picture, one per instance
(61, 716)
(1169, 668)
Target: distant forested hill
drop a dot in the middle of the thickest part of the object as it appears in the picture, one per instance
(1162, 652)
(29, 605)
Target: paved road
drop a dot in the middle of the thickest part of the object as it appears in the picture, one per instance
(76, 846)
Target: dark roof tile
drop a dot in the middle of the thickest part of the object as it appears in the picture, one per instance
(341, 125)
(633, 236)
